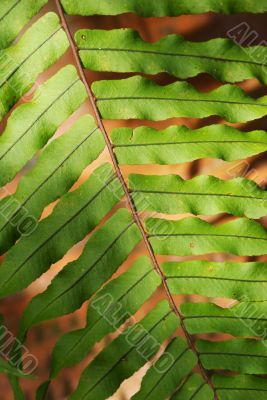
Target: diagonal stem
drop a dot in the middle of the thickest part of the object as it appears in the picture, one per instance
(128, 196)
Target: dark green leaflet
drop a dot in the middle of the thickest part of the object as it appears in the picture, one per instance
(178, 144)
(32, 124)
(203, 195)
(193, 236)
(240, 387)
(241, 355)
(80, 279)
(112, 305)
(56, 170)
(84, 207)
(244, 319)
(167, 372)
(126, 354)
(193, 388)
(39, 48)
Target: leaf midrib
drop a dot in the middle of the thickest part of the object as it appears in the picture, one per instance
(214, 278)
(205, 353)
(9, 10)
(224, 317)
(196, 194)
(207, 234)
(136, 218)
(160, 53)
(181, 99)
(189, 142)
(242, 389)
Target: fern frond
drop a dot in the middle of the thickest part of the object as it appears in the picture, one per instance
(39, 48)
(118, 301)
(162, 7)
(32, 124)
(56, 234)
(179, 144)
(245, 281)
(126, 354)
(79, 280)
(236, 387)
(193, 387)
(139, 98)
(241, 320)
(56, 170)
(171, 194)
(237, 355)
(14, 15)
(194, 236)
(123, 50)
(168, 371)
(176, 368)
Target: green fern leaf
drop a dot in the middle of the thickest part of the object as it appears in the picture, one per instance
(85, 207)
(31, 125)
(172, 195)
(246, 281)
(168, 371)
(39, 48)
(123, 50)
(162, 7)
(14, 15)
(240, 387)
(118, 300)
(244, 319)
(194, 236)
(193, 387)
(139, 98)
(178, 144)
(79, 280)
(245, 356)
(126, 354)
(56, 170)
(228, 289)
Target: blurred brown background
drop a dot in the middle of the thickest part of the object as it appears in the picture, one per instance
(196, 28)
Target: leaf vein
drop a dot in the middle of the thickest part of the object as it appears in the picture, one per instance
(181, 99)
(171, 54)
(9, 10)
